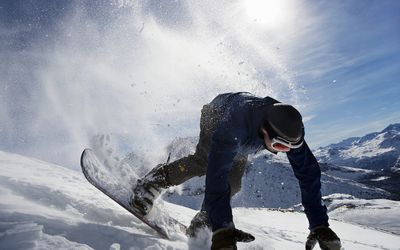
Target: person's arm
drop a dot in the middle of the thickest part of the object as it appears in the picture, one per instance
(308, 172)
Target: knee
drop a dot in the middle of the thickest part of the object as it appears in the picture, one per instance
(236, 184)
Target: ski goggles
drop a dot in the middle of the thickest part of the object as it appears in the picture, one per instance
(282, 145)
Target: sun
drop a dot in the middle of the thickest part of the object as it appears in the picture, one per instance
(271, 13)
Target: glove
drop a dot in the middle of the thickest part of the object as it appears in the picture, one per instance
(326, 238)
(226, 238)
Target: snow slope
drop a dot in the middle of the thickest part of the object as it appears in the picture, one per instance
(378, 213)
(44, 206)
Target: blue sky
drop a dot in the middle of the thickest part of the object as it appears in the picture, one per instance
(142, 70)
(358, 92)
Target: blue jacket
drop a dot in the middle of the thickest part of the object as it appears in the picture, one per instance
(239, 133)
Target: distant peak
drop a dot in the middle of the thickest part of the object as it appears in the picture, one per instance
(346, 143)
(391, 127)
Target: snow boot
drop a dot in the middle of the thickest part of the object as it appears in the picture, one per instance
(148, 189)
(199, 221)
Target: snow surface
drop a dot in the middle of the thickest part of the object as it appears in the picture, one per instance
(366, 149)
(44, 206)
(373, 213)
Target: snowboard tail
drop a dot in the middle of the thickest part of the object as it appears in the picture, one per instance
(110, 181)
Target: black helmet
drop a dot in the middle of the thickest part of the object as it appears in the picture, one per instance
(283, 120)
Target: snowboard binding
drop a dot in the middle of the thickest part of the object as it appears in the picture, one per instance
(148, 189)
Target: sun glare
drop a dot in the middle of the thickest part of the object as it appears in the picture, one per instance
(271, 13)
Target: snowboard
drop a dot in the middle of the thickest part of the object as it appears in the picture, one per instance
(116, 182)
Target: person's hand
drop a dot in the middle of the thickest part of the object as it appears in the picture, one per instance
(326, 238)
(226, 238)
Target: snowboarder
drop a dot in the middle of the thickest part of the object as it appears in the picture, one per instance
(233, 126)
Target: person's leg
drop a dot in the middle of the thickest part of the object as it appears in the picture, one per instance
(149, 187)
(236, 174)
(166, 175)
(200, 220)
(188, 167)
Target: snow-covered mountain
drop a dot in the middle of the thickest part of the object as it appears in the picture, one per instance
(374, 151)
(373, 159)
(45, 206)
